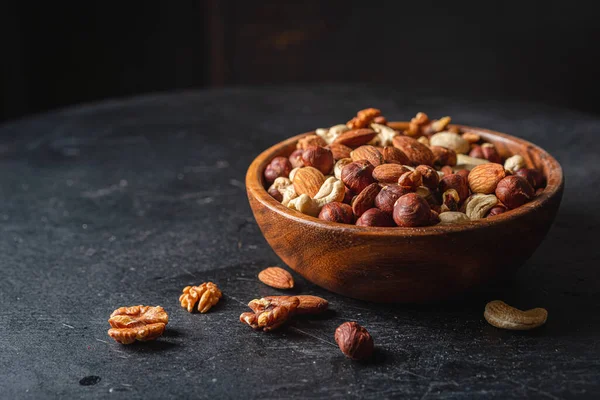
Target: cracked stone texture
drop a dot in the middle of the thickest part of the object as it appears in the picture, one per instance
(126, 202)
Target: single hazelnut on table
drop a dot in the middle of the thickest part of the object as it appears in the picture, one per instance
(337, 212)
(534, 176)
(319, 158)
(278, 167)
(358, 175)
(429, 176)
(457, 183)
(490, 153)
(411, 180)
(443, 156)
(365, 199)
(296, 158)
(387, 197)
(496, 210)
(375, 217)
(354, 341)
(514, 191)
(411, 210)
(392, 155)
(484, 178)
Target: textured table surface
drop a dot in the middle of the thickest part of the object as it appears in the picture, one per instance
(126, 202)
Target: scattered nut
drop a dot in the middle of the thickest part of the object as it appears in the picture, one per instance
(501, 315)
(354, 341)
(417, 153)
(389, 173)
(416, 125)
(329, 135)
(384, 136)
(206, 295)
(356, 137)
(451, 141)
(278, 187)
(278, 167)
(337, 212)
(375, 217)
(308, 180)
(467, 162)
(305, 205)
(365, 199)
(429, 176)
(497, 210)
(393, 155)
(363, 118)
(443, 156)
(490, 153)
(412, 210)
(535, 178)
(369, 153)
(457, 183)
(311, 305)
(424, 140)
(453, 218)
(514, 163)
(476, 152)
(141, 323)
(471, 137)
(478, 205)
(411, 180)
(331, 191)
(339, 165)
(514, 191)
(446, 170)
(276, 277)
(387, 196)
(484, 178)
(450, 201)
(296, 158)
(358, 175)
(270, 313)
(339, 151)
(319, 158)
(464, 173)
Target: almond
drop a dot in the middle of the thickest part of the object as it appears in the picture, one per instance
(417, 153)
(484, 178)
(389, 173)
(356, 137)
(276, 277)
(365, 199)
(339, 151)
(311, 305)
(393, 155)
(369, 153)
(308, 180)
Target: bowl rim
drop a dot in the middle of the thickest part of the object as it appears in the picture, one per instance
(554, 187)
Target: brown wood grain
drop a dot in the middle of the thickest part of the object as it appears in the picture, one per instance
(408, 264)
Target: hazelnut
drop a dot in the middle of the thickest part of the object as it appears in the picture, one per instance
(434, 218)
(365, 199)
(429, 176)
(375, 217)
(496, 210)
(392, 155)
(457, 183)
(319, 158)
(464, 173)
(348, 195)
(296, 158)
(443, 155)
(337, 212)
(387, 197)
(279, 166)
(514, 191)
(447, 170)
(358, 175)
(354, 341)
(275, 193)
(412, 210)
(490, 153)
(484, 178)
(534, 176)
(476, 152)
(411, 180)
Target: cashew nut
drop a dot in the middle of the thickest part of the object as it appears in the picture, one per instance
(285, 187)
(467, 162)
(329, 135)
(288, 194)
(478, 205)
(453, 217)
(331, 190)
(501, 315)
(339, 166)
(424, 140)
(305, 205)
(293, 173)
(450, 140)
(384, 136)
(514, 163)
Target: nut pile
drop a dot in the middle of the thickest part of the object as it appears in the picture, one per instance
(369, 174)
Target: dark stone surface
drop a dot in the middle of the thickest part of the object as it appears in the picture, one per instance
(126, 202)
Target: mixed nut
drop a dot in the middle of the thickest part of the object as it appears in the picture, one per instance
(366, 173)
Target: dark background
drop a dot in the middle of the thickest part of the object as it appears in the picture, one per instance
(61, 54)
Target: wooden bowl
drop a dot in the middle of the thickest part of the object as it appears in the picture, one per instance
(407, 264)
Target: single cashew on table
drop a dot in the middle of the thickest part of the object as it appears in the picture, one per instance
(501, 315)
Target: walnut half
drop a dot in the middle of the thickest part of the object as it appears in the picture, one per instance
(141, 323)
(206, 295)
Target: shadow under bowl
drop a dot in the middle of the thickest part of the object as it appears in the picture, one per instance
(408, 265)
